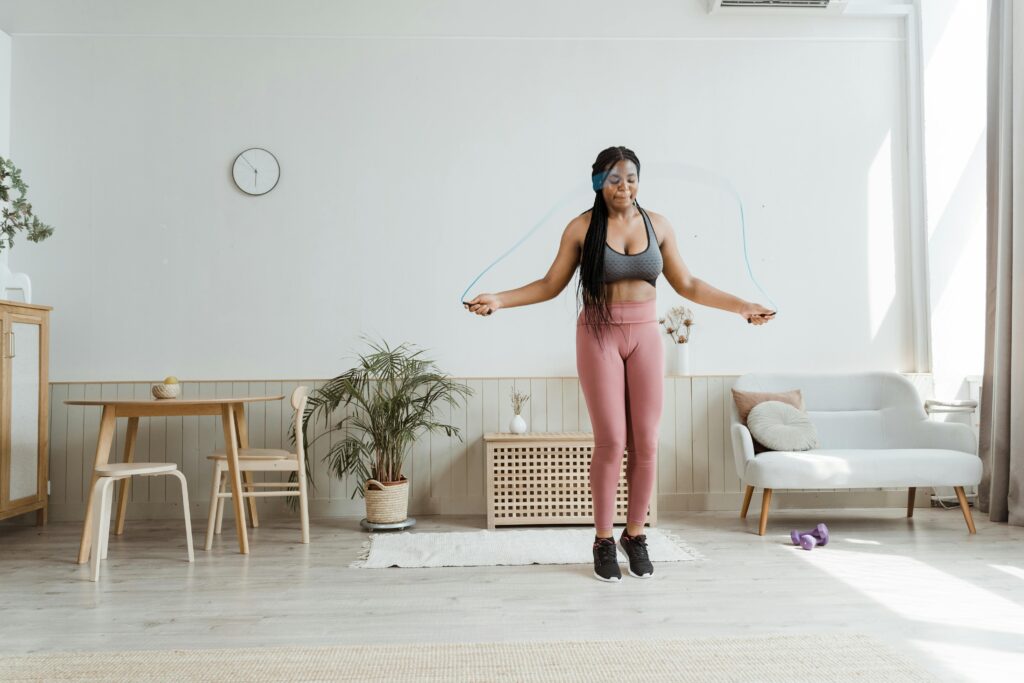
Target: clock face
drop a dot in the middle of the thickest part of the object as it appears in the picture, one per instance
(256, 171)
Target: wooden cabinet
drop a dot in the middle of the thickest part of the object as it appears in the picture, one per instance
(24, 409)
(544, 478)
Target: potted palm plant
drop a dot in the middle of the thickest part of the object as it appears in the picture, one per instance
(389, 398)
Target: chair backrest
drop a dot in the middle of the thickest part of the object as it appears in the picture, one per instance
(849, 410)
(299, 398)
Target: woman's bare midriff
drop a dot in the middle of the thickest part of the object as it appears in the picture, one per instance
(630, 290)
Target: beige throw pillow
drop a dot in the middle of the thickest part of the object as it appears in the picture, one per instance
(746, 400)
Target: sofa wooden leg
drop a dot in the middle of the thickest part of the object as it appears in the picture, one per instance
(746, 501)
(766, 501)
(965, 508)
(910, 501)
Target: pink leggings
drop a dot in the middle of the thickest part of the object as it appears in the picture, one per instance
(622, 383)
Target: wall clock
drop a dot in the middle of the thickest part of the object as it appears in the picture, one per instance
(256, 171)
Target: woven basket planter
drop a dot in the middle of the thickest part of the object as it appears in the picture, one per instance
(386, 502)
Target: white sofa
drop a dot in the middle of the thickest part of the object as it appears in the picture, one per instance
(873, 432)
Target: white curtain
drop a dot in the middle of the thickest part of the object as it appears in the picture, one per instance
(1001, 493)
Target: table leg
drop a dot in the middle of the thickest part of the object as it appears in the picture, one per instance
(227, 415)
(106, 437)
(122, 492)
(242, 427)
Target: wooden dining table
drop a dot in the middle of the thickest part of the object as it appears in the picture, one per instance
(236, 436)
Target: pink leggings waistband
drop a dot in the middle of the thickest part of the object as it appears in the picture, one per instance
(627, 312)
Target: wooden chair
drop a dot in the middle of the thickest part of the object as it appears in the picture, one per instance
(263, 460)
(103, 494)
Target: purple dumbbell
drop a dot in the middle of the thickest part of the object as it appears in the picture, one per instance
(818, 533)
(807, 542)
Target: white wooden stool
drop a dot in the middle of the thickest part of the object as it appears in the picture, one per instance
(103, 497)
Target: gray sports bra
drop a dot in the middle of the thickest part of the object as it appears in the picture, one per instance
(643, 266)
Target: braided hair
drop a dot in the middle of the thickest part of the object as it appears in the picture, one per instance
(591, 288)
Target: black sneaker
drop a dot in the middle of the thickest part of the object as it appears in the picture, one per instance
(606, 560)
(636, 550)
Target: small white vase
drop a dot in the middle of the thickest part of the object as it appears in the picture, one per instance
(518, 425)
(13, 286)
(683, 359)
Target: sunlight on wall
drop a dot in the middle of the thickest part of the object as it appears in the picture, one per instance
(881, 236)
(955, 113)
(958, 315)
(954, 102)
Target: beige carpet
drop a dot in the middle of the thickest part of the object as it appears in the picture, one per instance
(838, 657)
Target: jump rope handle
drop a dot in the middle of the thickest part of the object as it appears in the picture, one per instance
(761, 315)
(466, 303)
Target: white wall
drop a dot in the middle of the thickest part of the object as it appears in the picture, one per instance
(5, 94)
(415, 149)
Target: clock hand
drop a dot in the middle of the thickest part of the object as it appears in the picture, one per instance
(256, 178)
(247, 161)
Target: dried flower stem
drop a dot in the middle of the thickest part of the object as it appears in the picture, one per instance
(677, 323)
(518, 399)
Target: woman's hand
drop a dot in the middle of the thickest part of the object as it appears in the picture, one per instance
(483, 304)
(756, 313)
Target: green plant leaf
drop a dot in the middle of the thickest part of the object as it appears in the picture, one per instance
(17, 213)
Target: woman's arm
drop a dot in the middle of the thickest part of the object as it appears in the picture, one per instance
(548, 287)
(697, 290)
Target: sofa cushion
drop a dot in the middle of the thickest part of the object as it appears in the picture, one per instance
(746, 400)
(781, 427)
(862, 468)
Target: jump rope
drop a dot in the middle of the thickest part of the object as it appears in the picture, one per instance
(674, 170)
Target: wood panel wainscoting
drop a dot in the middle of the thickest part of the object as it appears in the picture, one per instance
(695, 461)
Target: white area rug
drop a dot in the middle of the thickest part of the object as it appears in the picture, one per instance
(505, 547)
(810, 658)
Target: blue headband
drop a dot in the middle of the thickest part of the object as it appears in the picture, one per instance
(597, 180)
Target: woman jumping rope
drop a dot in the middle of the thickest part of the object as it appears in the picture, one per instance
(620, 249)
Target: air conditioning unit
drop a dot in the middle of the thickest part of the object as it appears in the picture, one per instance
(778, 7)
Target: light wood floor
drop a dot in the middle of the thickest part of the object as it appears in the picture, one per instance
(954, 603)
